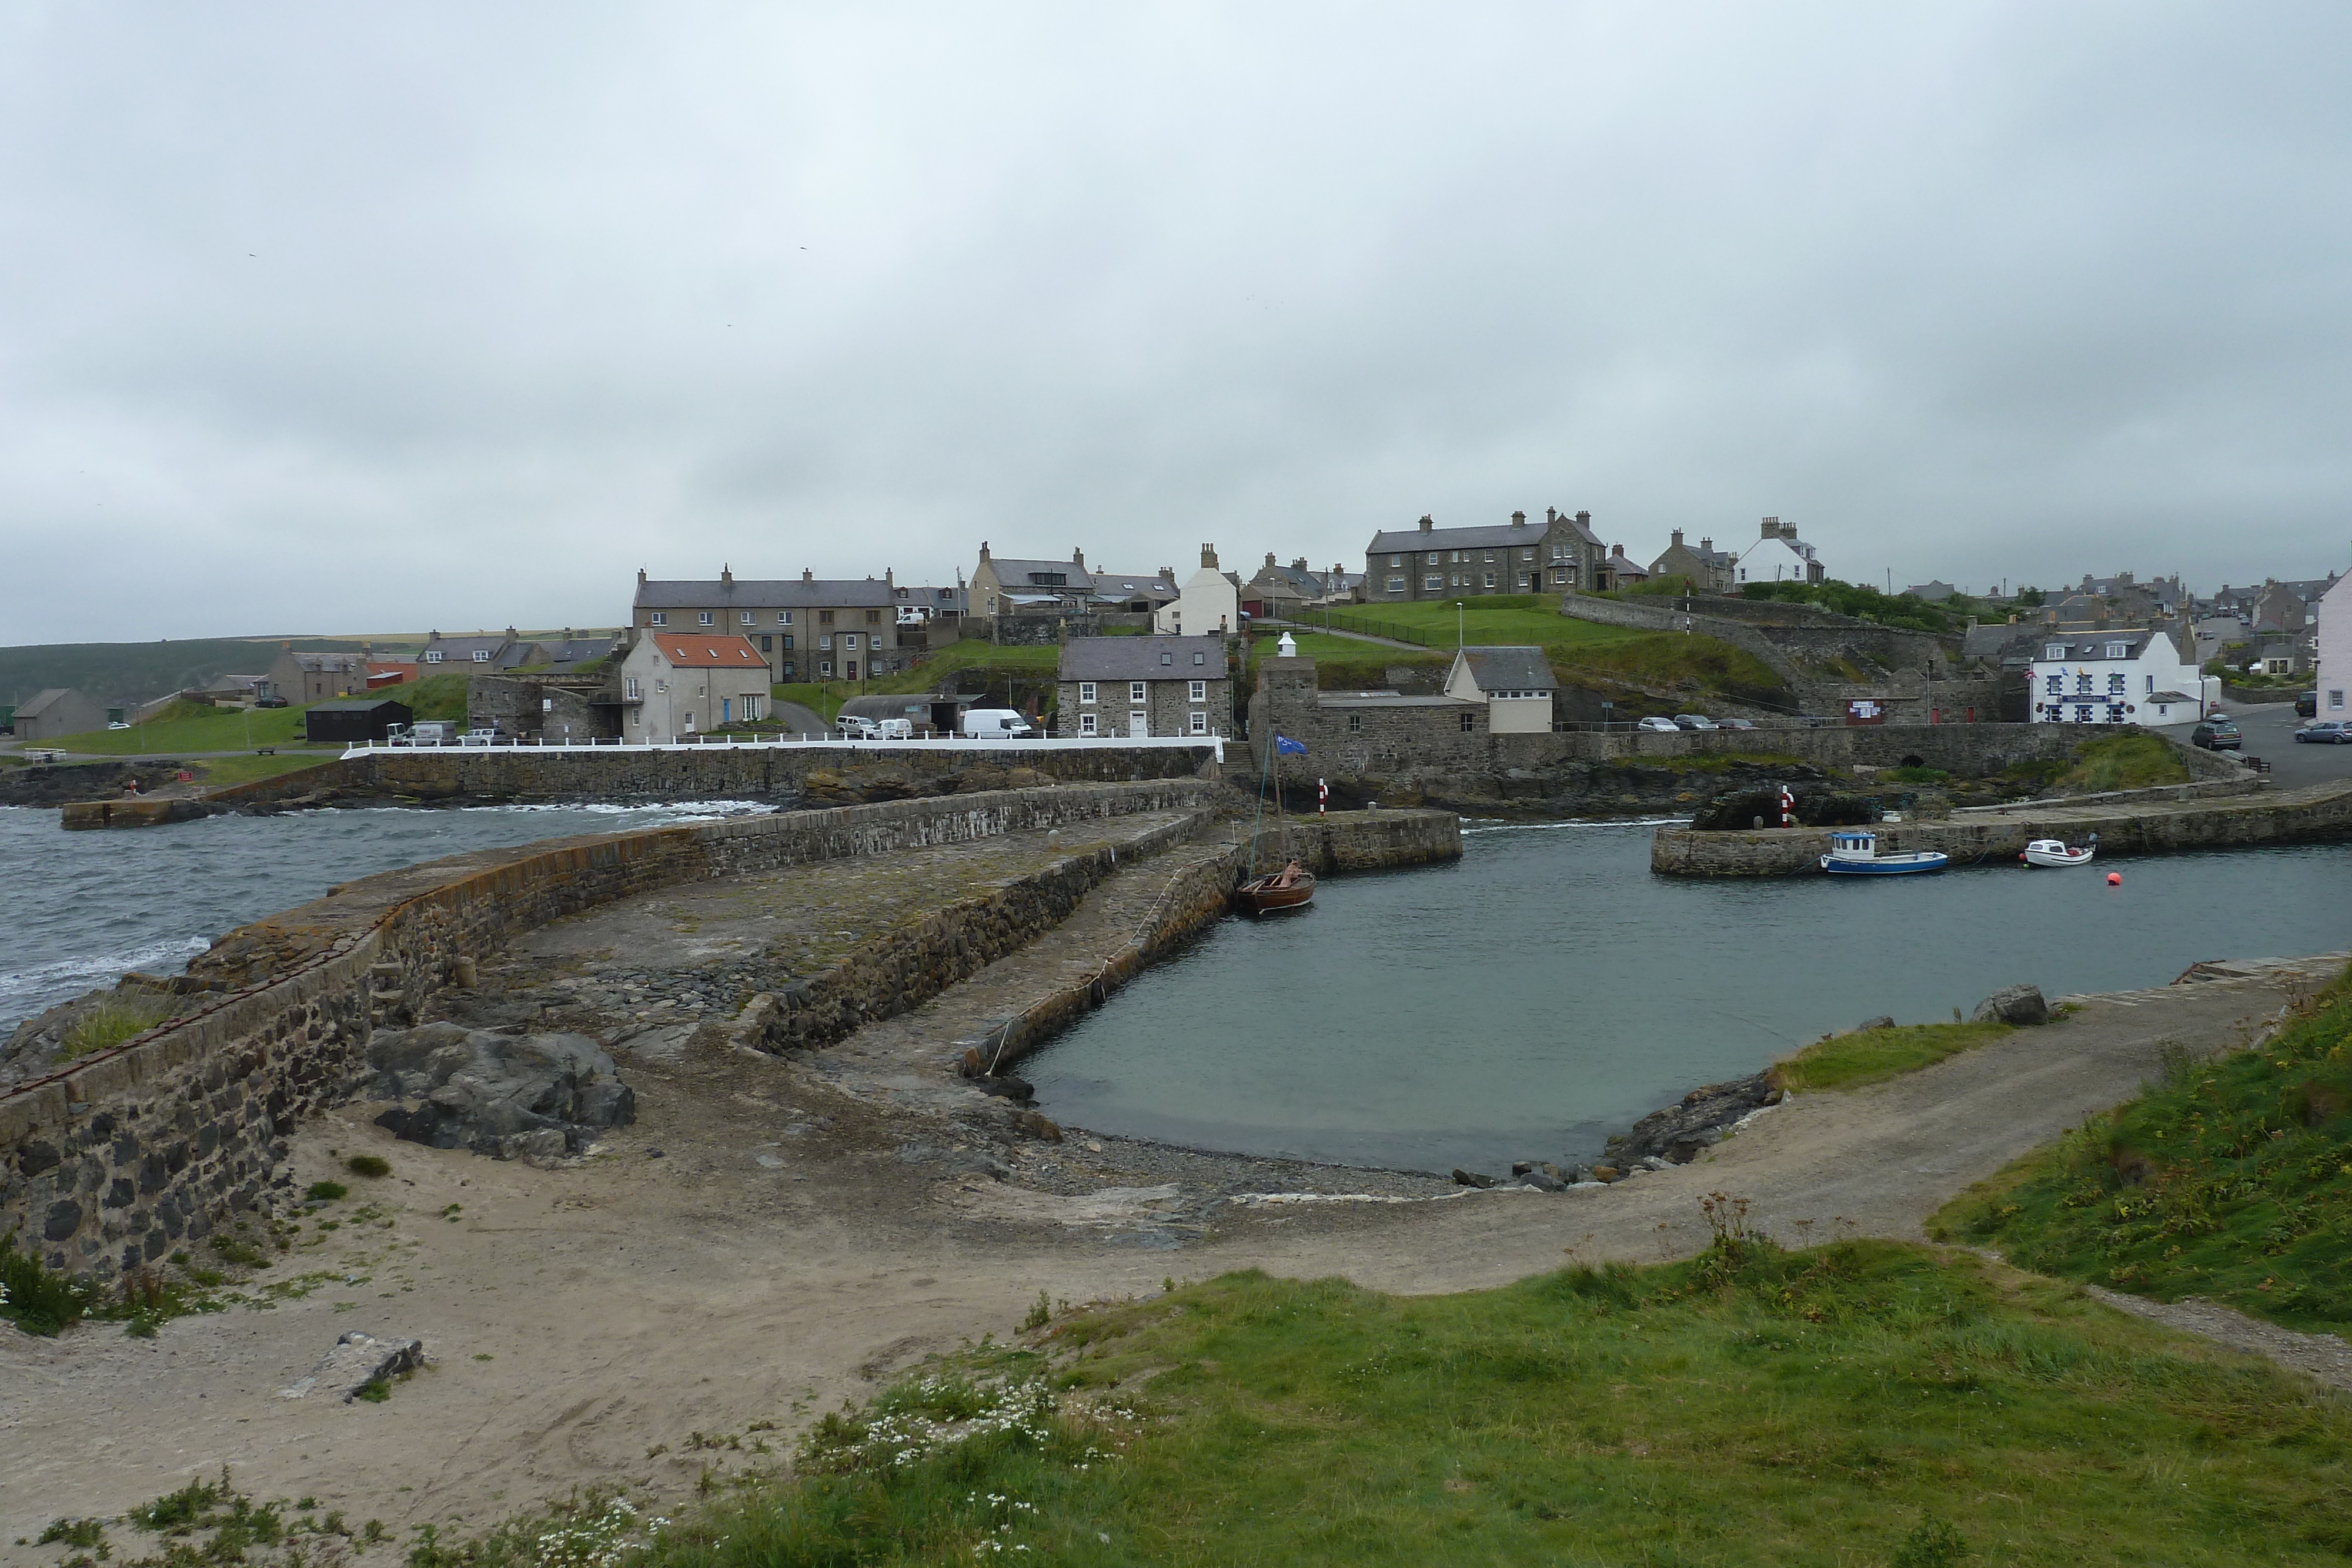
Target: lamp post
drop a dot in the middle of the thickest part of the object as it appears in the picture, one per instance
(1458, 614)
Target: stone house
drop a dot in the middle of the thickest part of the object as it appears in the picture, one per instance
(2335, 640)
(1515, 682)
(1711, 569)
(1002, 585)
(58, 711)
(677, 684)
(302, 679)
(2106, 677)
(1144, 686)
(1358, 732)
(2278, 608)
(1282, 591)
(1210, 602)
(815, 629)
(559, 706)
(1780, 556)
(1563, 555)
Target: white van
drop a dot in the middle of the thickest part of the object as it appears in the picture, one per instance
(894, 729)
(994, 724)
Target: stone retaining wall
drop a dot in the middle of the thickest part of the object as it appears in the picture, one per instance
(110, 1163)
(2316, 815)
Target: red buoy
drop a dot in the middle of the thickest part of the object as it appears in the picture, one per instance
(2115, 879)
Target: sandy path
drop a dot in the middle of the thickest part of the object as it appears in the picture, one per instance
(783, 1250)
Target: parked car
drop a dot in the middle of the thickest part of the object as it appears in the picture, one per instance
(2330, 731)
(2306, 704)
(1655, 723)
(994, 724)
(2217, 735)
(852, 727)
(121, 723)
(1735, 724)
(271, 702)
(1694, 721)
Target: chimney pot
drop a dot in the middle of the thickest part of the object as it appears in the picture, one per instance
(1209, 557)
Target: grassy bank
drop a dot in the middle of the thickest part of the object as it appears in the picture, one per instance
(1866, 1056)
(2123, 762)
(1861, 1403)
(1574, 647)
(184, 727)
(2231, 1179)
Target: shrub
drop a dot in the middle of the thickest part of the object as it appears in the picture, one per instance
(34, 1299)
(117, 1018)
(369, 1166)
(328, 1191)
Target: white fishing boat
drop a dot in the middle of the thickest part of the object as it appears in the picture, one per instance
(2055, 853)
(1856, 854)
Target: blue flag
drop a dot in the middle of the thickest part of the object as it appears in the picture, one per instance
(1286, 746)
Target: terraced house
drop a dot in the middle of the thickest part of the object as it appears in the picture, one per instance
(813, 629)
(1144, 686)
(1562, 555)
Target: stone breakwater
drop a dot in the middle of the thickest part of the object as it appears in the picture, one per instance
(2319, 814)
(108, 1164)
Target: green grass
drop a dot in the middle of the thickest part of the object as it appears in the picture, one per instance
(208, 729)
(2231, 1179)
(2124, 762)
(34, 1299)
(1861, 1403)
(1872, 1056)
(431, 696)
(1576, 647)
(1510, 619)
(825, 701)
(109, 1024)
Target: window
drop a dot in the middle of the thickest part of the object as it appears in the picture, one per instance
(1490, 582)
(661, 686)
(825, 617)
(1469, 724)
(481, 656)
(1355, 724)
(657, 618)
(631, 690)
(849, 640)
(1490, 555)
(1200, 724)
(767, 645)
(1135, 692)
(1396, 585)
(1086, 691)
(1199, 657)
(751, 707)
(2335, 696)
(1431, 583)
(2115, 684)
(1396, 560)
(825, 668)
(825, 642)
(745, 616)
(2057, 686)
(1523, 579)
(432, 658)
(1527, 555)
(784, 618)
(2082, 683)
(1434, 557)
(2120, 650)
(787, 641)
(2055, 651)
(1167, 658)
(791, 669)
(2082, 714)
(2115, 713)
(2151, 685)
(703, 618)
(874, 618)
(1200, 691)
(1086, 723)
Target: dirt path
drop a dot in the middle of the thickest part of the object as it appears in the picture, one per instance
(763, 1244)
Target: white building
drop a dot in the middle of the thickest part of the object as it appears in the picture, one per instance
(2334, 613)
(1516, 685)
(1780, 556)
(1209, 603)
(2116, 677)
(674, 684)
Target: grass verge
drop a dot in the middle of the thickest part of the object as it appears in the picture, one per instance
(1859, 1403)
(1867, 1056)
(2230, 1179)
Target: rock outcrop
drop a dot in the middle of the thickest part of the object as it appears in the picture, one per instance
(1681, 1132)
(2014, 1005)
(531, 1097)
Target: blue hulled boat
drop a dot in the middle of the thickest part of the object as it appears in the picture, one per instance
(1856, 854)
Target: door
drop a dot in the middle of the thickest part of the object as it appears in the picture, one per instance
(1139, 723)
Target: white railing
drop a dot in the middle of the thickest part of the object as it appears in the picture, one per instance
(818, 742)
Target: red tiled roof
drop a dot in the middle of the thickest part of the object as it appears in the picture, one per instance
(709, 653)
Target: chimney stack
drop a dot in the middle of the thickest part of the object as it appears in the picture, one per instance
(726, 577)
(984, 549)
(1078, 559)
(1771, 527)
(641, 577)
(1426, 523)
(1269, 560)
(807, 575)
(1209, 557)
(1679, 539)
(1584, 519)
(1519, 519)
(1298, 565)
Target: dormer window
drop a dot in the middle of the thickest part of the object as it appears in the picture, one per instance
(432, 658)
(2120, 650)
(1167, 658)
(2055, 651)
(481, 656)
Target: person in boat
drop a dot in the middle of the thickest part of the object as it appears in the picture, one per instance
(1290, 875)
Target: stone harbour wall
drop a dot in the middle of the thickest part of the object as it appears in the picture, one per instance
(107, 1163)
(2316, 815)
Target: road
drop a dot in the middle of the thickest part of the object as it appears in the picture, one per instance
(2269, 729)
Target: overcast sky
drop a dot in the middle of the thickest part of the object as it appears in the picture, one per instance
(340, 317)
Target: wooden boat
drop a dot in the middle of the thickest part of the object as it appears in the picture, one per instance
(2054, 853)
(1856, 854)
(1267, 894)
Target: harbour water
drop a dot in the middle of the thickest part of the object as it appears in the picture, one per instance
(79, 909)
(1548, 990)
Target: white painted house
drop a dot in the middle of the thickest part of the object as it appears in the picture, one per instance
(1516, 685)
(1780, 556)
(2115, 677)
(1209, 603)
(674, 685)
(2334, 613)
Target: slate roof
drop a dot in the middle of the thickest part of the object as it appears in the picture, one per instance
(1508, 669)
(762, 593)
(461, 650)
(1140, 659)
(1405, 540)
(41, 701)
(1015, 576)
(331, 663)
(2092, 649)
(688, 652)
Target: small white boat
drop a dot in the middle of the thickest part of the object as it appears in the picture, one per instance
(1856, 854)
(2054, 853)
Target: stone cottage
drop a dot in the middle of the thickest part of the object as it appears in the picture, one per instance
(1144, 686)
